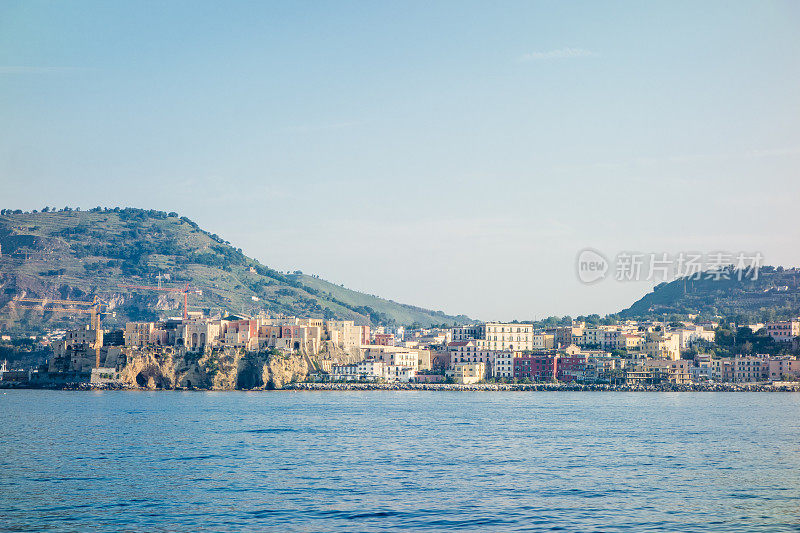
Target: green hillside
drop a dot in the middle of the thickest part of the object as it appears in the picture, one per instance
(80, 254)
(773, 294)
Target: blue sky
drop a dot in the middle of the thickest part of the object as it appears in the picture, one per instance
(454, 155)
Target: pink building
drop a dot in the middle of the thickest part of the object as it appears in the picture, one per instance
(751, 369)
(784, 331)
(784, 368)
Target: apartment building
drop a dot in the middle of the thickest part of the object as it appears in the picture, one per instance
(535, 367)
(631, 342)
(467, 373)
(784, 331)
(466, 333)
(506, 336)
(662, 346)
(290, 338)
(502, 364)
(751, 369)
(468, 352)
(604, 368)
(139, 333)
(722, 370)
(344, 333)
(784, 369)
(383, 339)
(363, 370)
(394, 355)
(676, 371)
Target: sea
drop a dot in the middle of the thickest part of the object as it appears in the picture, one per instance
(399, 461)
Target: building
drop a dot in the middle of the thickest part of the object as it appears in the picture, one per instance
(361, 371)
(602, 367)
(784, 369)
(722, 370)
(703, 369)
(466, 333)
(467, 373)
(76, 351)
(676, 371)
(138, 333)
(543, 341)
(751, 369)
(570, 368)
(784, 331)
(383, 339)
(403, 374)
(535, 367)
(690, 334)
(304, 338)
(645, 375)
(506, 336)
(344, 333)
(393, 355)
(467, 352)
(564, 336)
(631, 342)
(662, 346)
(502, 364)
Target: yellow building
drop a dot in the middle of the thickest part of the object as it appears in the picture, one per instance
(467, 373)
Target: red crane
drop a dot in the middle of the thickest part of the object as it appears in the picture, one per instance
(185, 290)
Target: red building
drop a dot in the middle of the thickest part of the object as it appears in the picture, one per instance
(384, 339)
(535, 367)
(570, 367)
(546, 367)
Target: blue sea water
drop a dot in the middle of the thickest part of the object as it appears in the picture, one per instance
(383, 461)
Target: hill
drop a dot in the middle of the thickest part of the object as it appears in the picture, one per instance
(774, 294)
(71, 254)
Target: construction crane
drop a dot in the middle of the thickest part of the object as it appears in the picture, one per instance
(183, 290)
(95, 309)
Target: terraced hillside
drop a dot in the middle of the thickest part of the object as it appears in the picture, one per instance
(80, 254)
(774, 294)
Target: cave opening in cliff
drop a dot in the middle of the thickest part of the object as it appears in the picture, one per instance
(249, 378)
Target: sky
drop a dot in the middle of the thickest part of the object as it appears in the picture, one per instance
(452, 155)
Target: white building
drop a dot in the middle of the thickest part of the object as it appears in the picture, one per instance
(502, 364)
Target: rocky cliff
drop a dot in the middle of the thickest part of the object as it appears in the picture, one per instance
(214, 369)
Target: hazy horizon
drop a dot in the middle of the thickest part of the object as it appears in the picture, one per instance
(456, 156)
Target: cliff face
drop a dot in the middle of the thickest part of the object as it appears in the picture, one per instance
(337, 355)
(224, 369)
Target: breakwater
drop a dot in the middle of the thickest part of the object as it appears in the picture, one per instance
(442, 387)
(525, 387)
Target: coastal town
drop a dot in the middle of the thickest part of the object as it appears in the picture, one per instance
(628, 353)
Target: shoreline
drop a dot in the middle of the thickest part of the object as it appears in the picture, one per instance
(544, 387)
(440, 387)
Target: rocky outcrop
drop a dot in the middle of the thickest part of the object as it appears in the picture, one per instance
(337, 355)
(214, 369)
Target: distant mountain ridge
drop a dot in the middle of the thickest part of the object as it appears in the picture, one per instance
(774, 294)
(70, 254)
